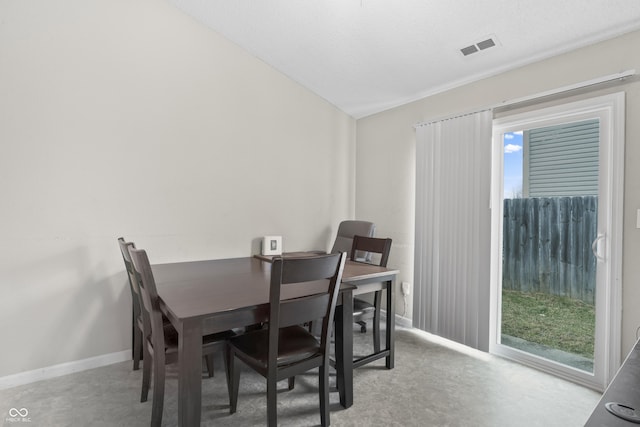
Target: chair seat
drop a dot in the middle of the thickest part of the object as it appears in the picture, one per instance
(295, 344)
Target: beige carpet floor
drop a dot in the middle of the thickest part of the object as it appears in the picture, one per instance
(431, 385)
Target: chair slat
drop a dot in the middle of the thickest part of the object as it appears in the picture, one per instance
(300, 310)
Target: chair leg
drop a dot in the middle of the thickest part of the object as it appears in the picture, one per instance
(376, 321)
(137, 347)
(235, 382)
(209, 360)
(272, 402)
(158, 391)
(292, 382)
(146, 374)
(227, 371)
(323, 381)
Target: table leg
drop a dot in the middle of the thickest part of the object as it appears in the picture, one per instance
(344, 349)
(391, 324)
(190, 374)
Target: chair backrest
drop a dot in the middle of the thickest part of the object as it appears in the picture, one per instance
(133, 281)
(372, 245)
(152, 316)
(346, 231)
(320, 277)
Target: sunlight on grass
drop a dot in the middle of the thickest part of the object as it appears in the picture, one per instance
(553, 321)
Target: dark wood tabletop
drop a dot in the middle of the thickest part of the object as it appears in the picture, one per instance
(623, 390)
(202, 297)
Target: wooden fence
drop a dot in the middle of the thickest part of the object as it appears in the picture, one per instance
(547, 246)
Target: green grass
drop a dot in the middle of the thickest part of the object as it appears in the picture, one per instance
(553, 321)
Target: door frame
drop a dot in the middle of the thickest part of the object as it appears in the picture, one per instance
(611, 110)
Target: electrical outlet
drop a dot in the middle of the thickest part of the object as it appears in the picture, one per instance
(406, 288)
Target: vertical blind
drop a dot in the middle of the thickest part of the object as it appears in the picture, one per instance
(453, 221)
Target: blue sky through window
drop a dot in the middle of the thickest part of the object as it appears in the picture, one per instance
(512, 164)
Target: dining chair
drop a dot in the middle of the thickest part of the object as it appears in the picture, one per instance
(363, 309)
(283, 348)
(346, 230)
(136, 321)
(160, 340)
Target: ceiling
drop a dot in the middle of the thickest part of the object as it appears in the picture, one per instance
(366, 56)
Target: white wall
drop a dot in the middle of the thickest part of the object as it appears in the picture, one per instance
(128, 118)
(385, 152)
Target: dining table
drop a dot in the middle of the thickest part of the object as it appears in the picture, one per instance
(209, 296)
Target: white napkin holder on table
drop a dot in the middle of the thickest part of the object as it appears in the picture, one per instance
(272, 245)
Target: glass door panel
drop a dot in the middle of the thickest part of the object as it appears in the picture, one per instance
(550, 208)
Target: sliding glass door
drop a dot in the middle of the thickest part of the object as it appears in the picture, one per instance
(557, 204)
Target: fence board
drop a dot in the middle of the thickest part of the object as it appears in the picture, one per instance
(547, 245)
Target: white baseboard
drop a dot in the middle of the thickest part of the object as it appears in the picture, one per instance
(63, 369)
(404, 322)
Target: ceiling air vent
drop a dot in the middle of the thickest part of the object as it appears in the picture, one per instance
(469, 50)
(477, 47)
